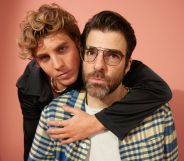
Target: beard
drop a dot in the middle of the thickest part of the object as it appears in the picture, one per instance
(101, 90)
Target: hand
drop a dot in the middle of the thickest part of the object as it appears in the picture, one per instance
(80, 126)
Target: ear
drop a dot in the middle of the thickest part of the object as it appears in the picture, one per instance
(128, 65)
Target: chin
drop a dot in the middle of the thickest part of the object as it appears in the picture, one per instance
(69, 81)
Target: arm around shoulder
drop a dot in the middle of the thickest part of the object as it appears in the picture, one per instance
(148, 92)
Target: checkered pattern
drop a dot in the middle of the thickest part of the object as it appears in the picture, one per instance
(154, 139)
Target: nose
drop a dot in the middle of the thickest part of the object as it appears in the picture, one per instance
(99, 63)
(58, 63)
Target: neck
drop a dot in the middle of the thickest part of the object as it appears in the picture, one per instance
(109, 99)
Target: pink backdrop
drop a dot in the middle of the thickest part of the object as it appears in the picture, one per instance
(159, 28)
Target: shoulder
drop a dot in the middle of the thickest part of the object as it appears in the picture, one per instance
(31, 68)
(164, 112)
(155, 124)
(160, 116)
(72, 98)
(33, 81)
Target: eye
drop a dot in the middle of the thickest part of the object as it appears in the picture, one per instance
(90, 51)
(43, 58)
(112, 55)
(62, 49)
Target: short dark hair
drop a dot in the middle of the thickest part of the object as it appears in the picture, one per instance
(111, 21)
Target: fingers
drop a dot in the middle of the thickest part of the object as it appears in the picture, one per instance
(54, 131)
(59, 137)
(57, 123)
(58, 133)
(73, 129)
(67, 141)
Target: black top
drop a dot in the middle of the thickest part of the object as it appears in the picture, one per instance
(148, 92)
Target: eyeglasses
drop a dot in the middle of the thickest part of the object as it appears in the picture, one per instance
(111, 57)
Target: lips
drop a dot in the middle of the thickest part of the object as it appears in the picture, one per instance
(97, 77)
(97, 80)
(64, 75)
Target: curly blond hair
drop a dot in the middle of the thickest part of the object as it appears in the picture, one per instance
(46, 20)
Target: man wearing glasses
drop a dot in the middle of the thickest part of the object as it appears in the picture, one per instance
(109, 42)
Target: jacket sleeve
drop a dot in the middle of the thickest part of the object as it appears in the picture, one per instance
(34, 94)
(31, 114)
(148, 92)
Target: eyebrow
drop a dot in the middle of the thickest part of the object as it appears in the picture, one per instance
(55, 48)
(116, 50)
(90, 47)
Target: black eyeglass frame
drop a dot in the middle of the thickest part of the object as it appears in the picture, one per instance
(103, 50)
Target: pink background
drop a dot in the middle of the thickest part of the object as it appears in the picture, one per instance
(159, 27)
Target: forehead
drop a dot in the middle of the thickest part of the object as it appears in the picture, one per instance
(106, 39)
(53, 40)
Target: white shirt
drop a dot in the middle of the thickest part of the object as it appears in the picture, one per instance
(104, 145)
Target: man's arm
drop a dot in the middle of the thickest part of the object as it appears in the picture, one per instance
(147, 94)
(34, 94)
(42, 147)
(31, 114)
